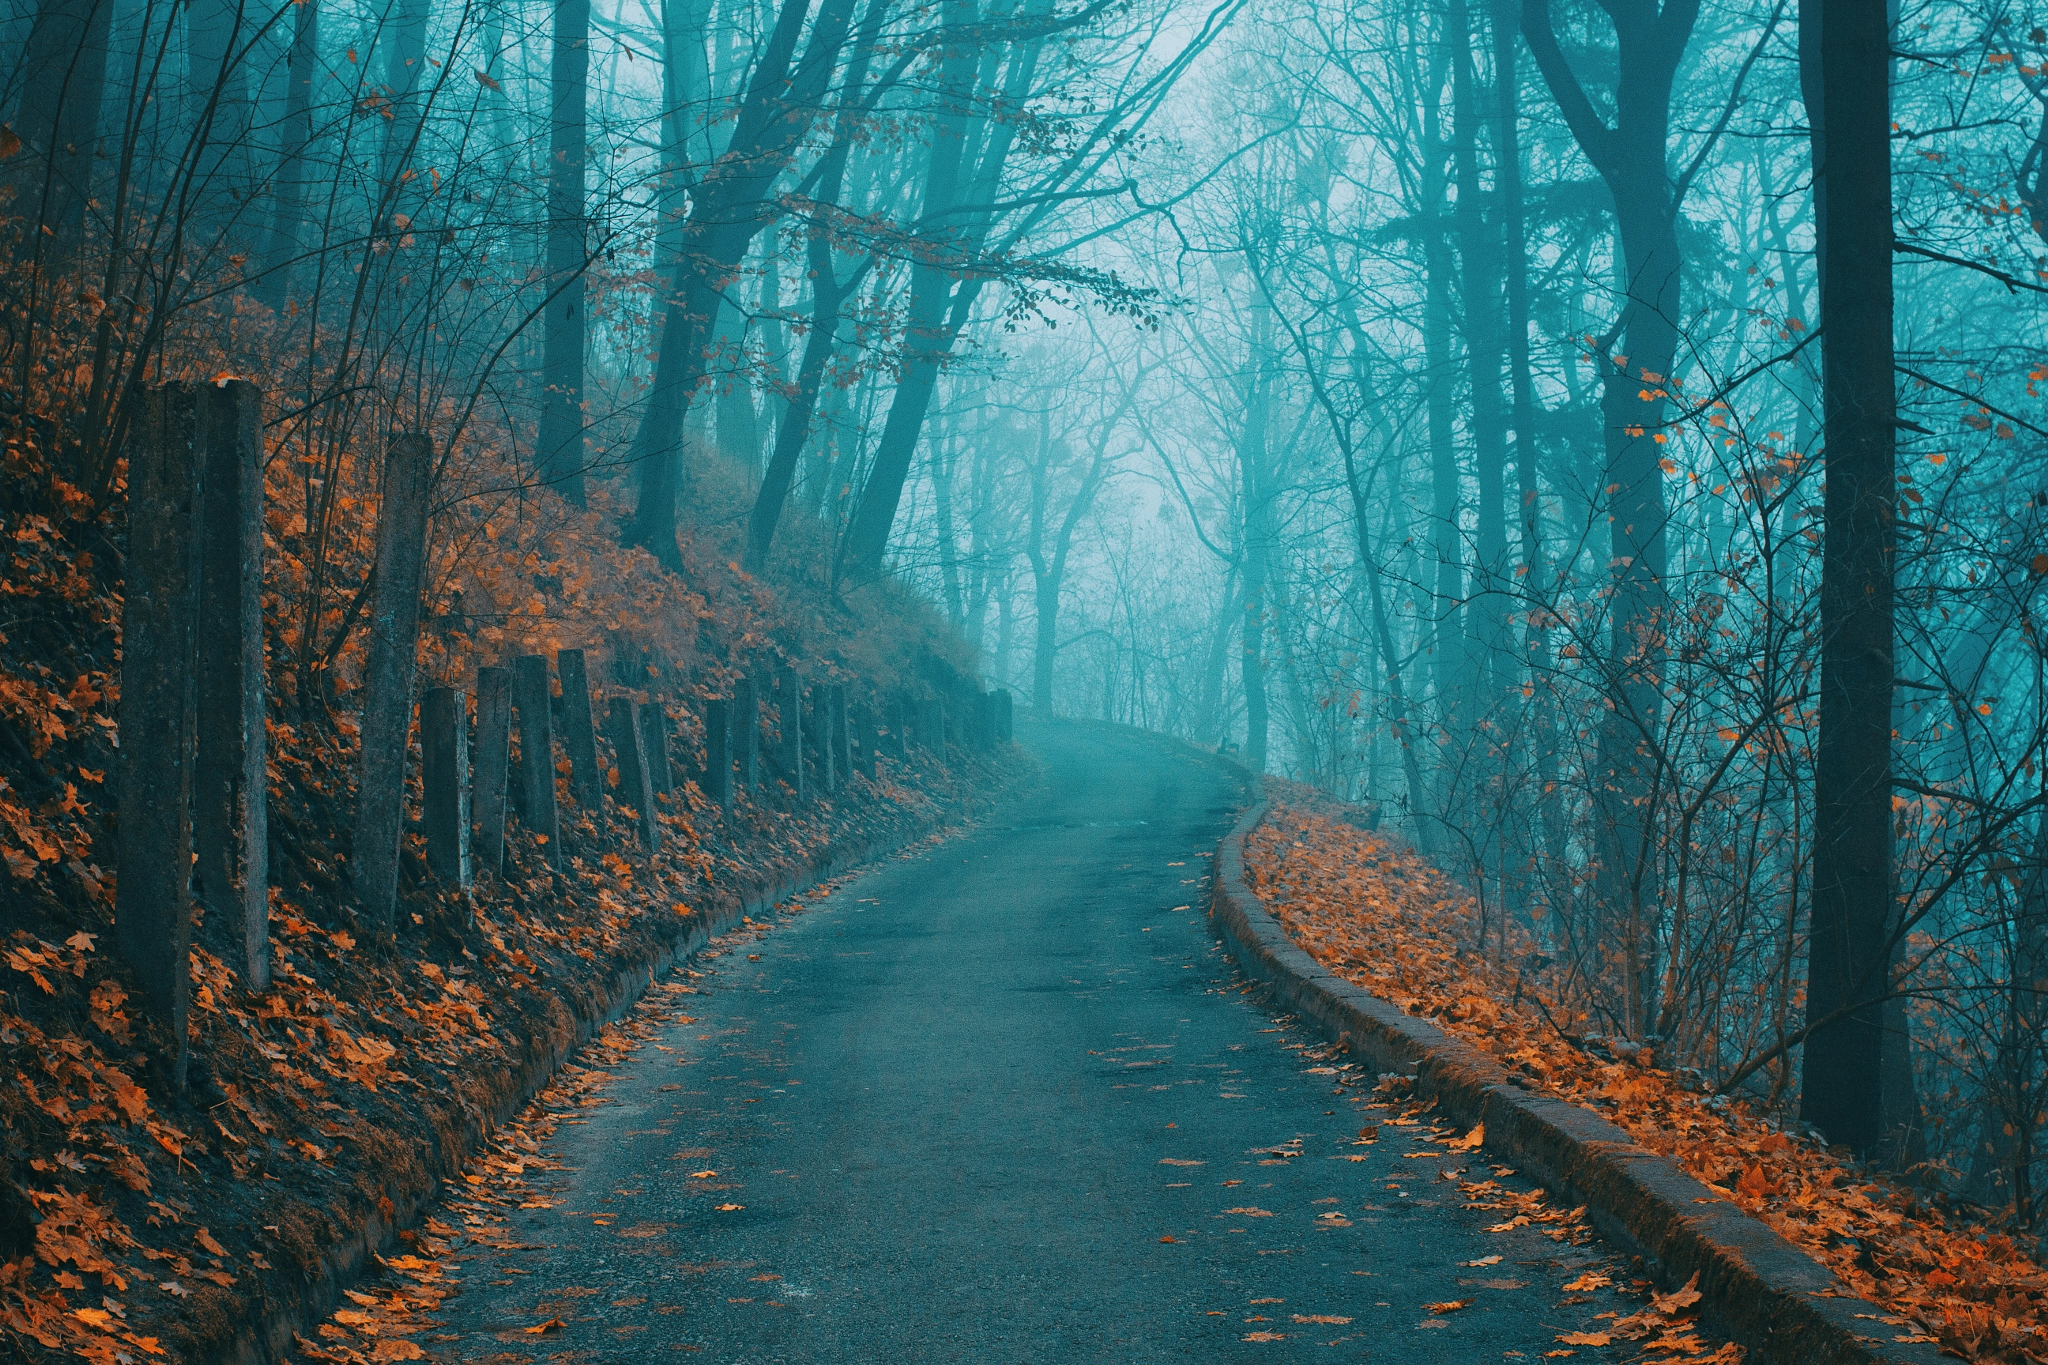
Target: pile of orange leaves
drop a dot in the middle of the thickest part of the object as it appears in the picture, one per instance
(1375, 912)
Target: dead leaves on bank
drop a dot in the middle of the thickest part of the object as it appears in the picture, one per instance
(1375, 912)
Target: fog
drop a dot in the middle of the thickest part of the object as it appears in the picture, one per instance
(1437, 403)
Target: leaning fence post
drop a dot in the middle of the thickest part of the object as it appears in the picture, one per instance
(579, 735)
(718, 753)
(388, 674)
(493, 764)
(537, 754)
(228, 769)
(623, 725)
(159, 642)
(653, 721)
(444, 782)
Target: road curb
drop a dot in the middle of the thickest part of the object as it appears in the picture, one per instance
(270, 1337)
(1757, 1288)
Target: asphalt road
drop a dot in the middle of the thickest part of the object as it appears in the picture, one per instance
(964, 1102)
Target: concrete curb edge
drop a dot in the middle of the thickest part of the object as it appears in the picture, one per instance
(1757, 1288)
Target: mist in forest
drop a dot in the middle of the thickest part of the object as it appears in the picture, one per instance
(1596, 439)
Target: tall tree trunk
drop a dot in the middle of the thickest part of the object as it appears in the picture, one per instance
(559, 451)
(1479, 252)
(1258, 539)
(938, 308)
(1631, 157)
(731, 208)
(219, 112)
(1845, 66)
(58, 124)
(1446, 538)
(288, 211)
(1535, 586)
(405, 80)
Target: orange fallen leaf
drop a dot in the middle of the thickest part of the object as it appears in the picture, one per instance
(1448, 1306)
(1592, 1279)
(551, 1325)
(730, 1208)
(1678, 1300)
(1586, 1338)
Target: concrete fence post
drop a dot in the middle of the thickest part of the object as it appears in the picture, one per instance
(159, 664)
(444, 780)
(493, 765)
(230, 787)
(718, 753)
(579, 734)
(746, 736)
(635, 786)
(864, 730)
(654, 747)
(789, 706)
(842, 734)
(899, 729)
(822, 749)
(531, 702)
(388, 675)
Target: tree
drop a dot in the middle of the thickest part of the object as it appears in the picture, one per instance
(1845, 54)
(559, 456)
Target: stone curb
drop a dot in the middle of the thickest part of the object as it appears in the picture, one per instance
(270, 1337)
(1757, 1288)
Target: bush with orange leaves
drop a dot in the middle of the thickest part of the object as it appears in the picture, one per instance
(1372, 910)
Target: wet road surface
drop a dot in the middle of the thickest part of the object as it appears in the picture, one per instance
(1005, 1101)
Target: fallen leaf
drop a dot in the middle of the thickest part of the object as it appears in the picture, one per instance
(1586, 1338)
(1449, 1306)
(1678, 1300)
(551, 1325)
(1592, 1279)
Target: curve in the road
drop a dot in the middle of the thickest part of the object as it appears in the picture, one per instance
(1005, 1101)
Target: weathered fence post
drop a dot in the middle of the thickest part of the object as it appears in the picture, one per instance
(821, 737)
(865, 727)
(899, 728)
(718, 753)
(1006, 717)
(159, 642)
(493, 764)
(635, 787)
(444, 781)
(537, 754)
(228, 768)
(746, 735)
(842, 736)
(654, 746)
(789, 704)
(388, 675)
(579, 733)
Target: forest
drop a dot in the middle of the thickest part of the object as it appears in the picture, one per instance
(1575, 432)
